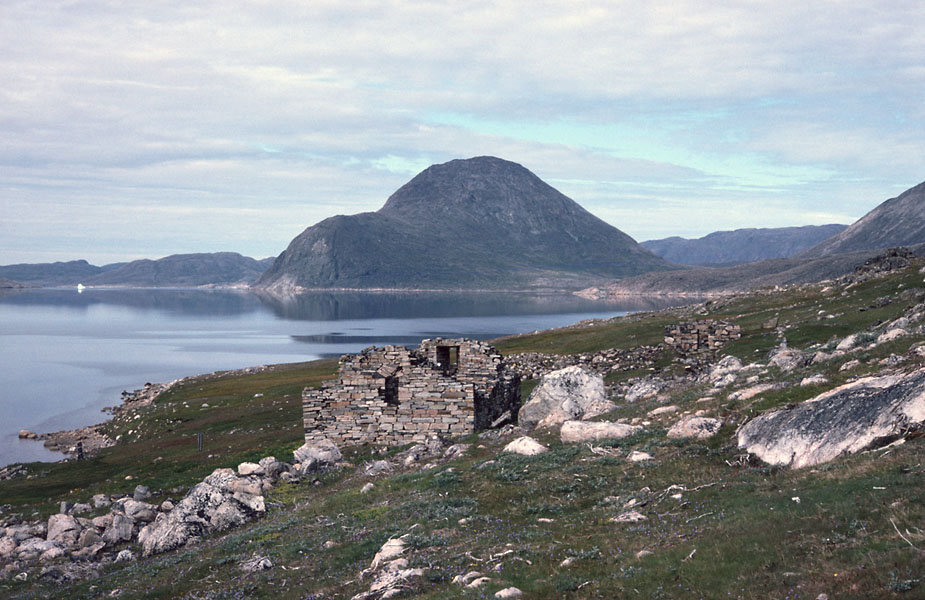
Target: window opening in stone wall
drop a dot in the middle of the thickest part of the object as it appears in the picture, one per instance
(389, 390)
(448, 359)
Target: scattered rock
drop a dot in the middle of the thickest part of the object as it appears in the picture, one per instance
(700, 428)
(637, 456)
(644, 553)
(256, 563)
(525, 445)
(851, 364)
(848, 343)
(630, 516)
(727, 366)
(847, 419)
(249, 468)
(63, 529)
(378, 467)
(119, 530)
(787, 359)
(587, 431)
(367, 488)
(467, 578)
(663, 410)
(125, 556)
(751, 392)
(566, 394)
(393, 548)
(890, 335)
(510, 592)
(323, 453)
(101, 501)
(25, 434)
(813, 380)
(141, 493)
(647, 388)
(479, 582)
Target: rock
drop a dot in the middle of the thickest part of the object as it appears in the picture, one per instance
(7, 546)
(631, 516)
(119, 530)
(751, 392)
(227, 515)
(890, 335)
(813, 380)
(847, 419)
(325, 453)
(88, 537)
(644, 553)
(65, 507)
(367, 488)
(125, 556)
(101, 501)
(467, 578)
(728, 365)
(587, 431)
(63, 529)
(455, 451)
(378, 467)
(80, 508)
(510, 592)
(478, 582)
(646, 388)
(166, 506)
(662, 410)
(256, 563)
(249, 468)
(51, 554)
(391, 583)
(695, 427)
(567, 562)
(525, 445)
(848, 343)
(141, 493)
(851, 364)
(25, 434)
(787, 359)
(567, 394)
(637, 456)
(139, 511)
(34, 547)
(392, 549)
(90, 551)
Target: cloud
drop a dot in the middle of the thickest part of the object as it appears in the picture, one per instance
(310, 109)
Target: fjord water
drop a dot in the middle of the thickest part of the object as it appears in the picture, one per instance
(66, 355)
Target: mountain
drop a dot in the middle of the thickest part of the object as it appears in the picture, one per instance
(58, 273)
(183, 270)
(477, 223)
(9, 284)
(899, 221)
(742, 245)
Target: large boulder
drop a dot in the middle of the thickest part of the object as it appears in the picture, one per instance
(567, 394)
(589, 431)
(319, 454)
(63, 529)
(849, 418)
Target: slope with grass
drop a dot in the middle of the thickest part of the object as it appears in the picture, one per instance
(717, 522)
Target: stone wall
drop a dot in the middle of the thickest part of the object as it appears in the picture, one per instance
(395, 396)
(703, 335)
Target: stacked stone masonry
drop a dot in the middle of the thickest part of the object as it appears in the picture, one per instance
(703, 335)
(395, 395)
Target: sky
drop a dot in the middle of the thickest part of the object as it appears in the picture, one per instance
(143, 129)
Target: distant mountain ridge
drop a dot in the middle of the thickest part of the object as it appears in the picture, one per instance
(726, 248)
(480, 223)
(178, 270)
(899, 221)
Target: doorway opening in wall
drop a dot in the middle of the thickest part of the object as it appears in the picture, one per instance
(448, 359)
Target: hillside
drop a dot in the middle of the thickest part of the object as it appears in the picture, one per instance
(742, 245)
(898, 221)
(648, 515)
(183, 270)
(58, 273)
(477, 223)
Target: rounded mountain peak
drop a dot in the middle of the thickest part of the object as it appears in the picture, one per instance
(476, 189)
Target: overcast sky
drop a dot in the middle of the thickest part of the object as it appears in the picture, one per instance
(142, 129)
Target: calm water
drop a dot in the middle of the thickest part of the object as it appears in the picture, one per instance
(66, 355)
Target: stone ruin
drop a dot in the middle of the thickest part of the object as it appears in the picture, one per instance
(702, 335)
(396, 395)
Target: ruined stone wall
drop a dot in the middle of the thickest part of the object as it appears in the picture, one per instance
(702, 335)
(395, 396)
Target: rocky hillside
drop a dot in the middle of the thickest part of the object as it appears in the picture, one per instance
(899, 221)
(178, 270)
(477, 223)
(786, 464)
(742, 245)
(50, 274)
(183, 270)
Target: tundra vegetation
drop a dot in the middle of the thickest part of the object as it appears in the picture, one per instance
(699, 519)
